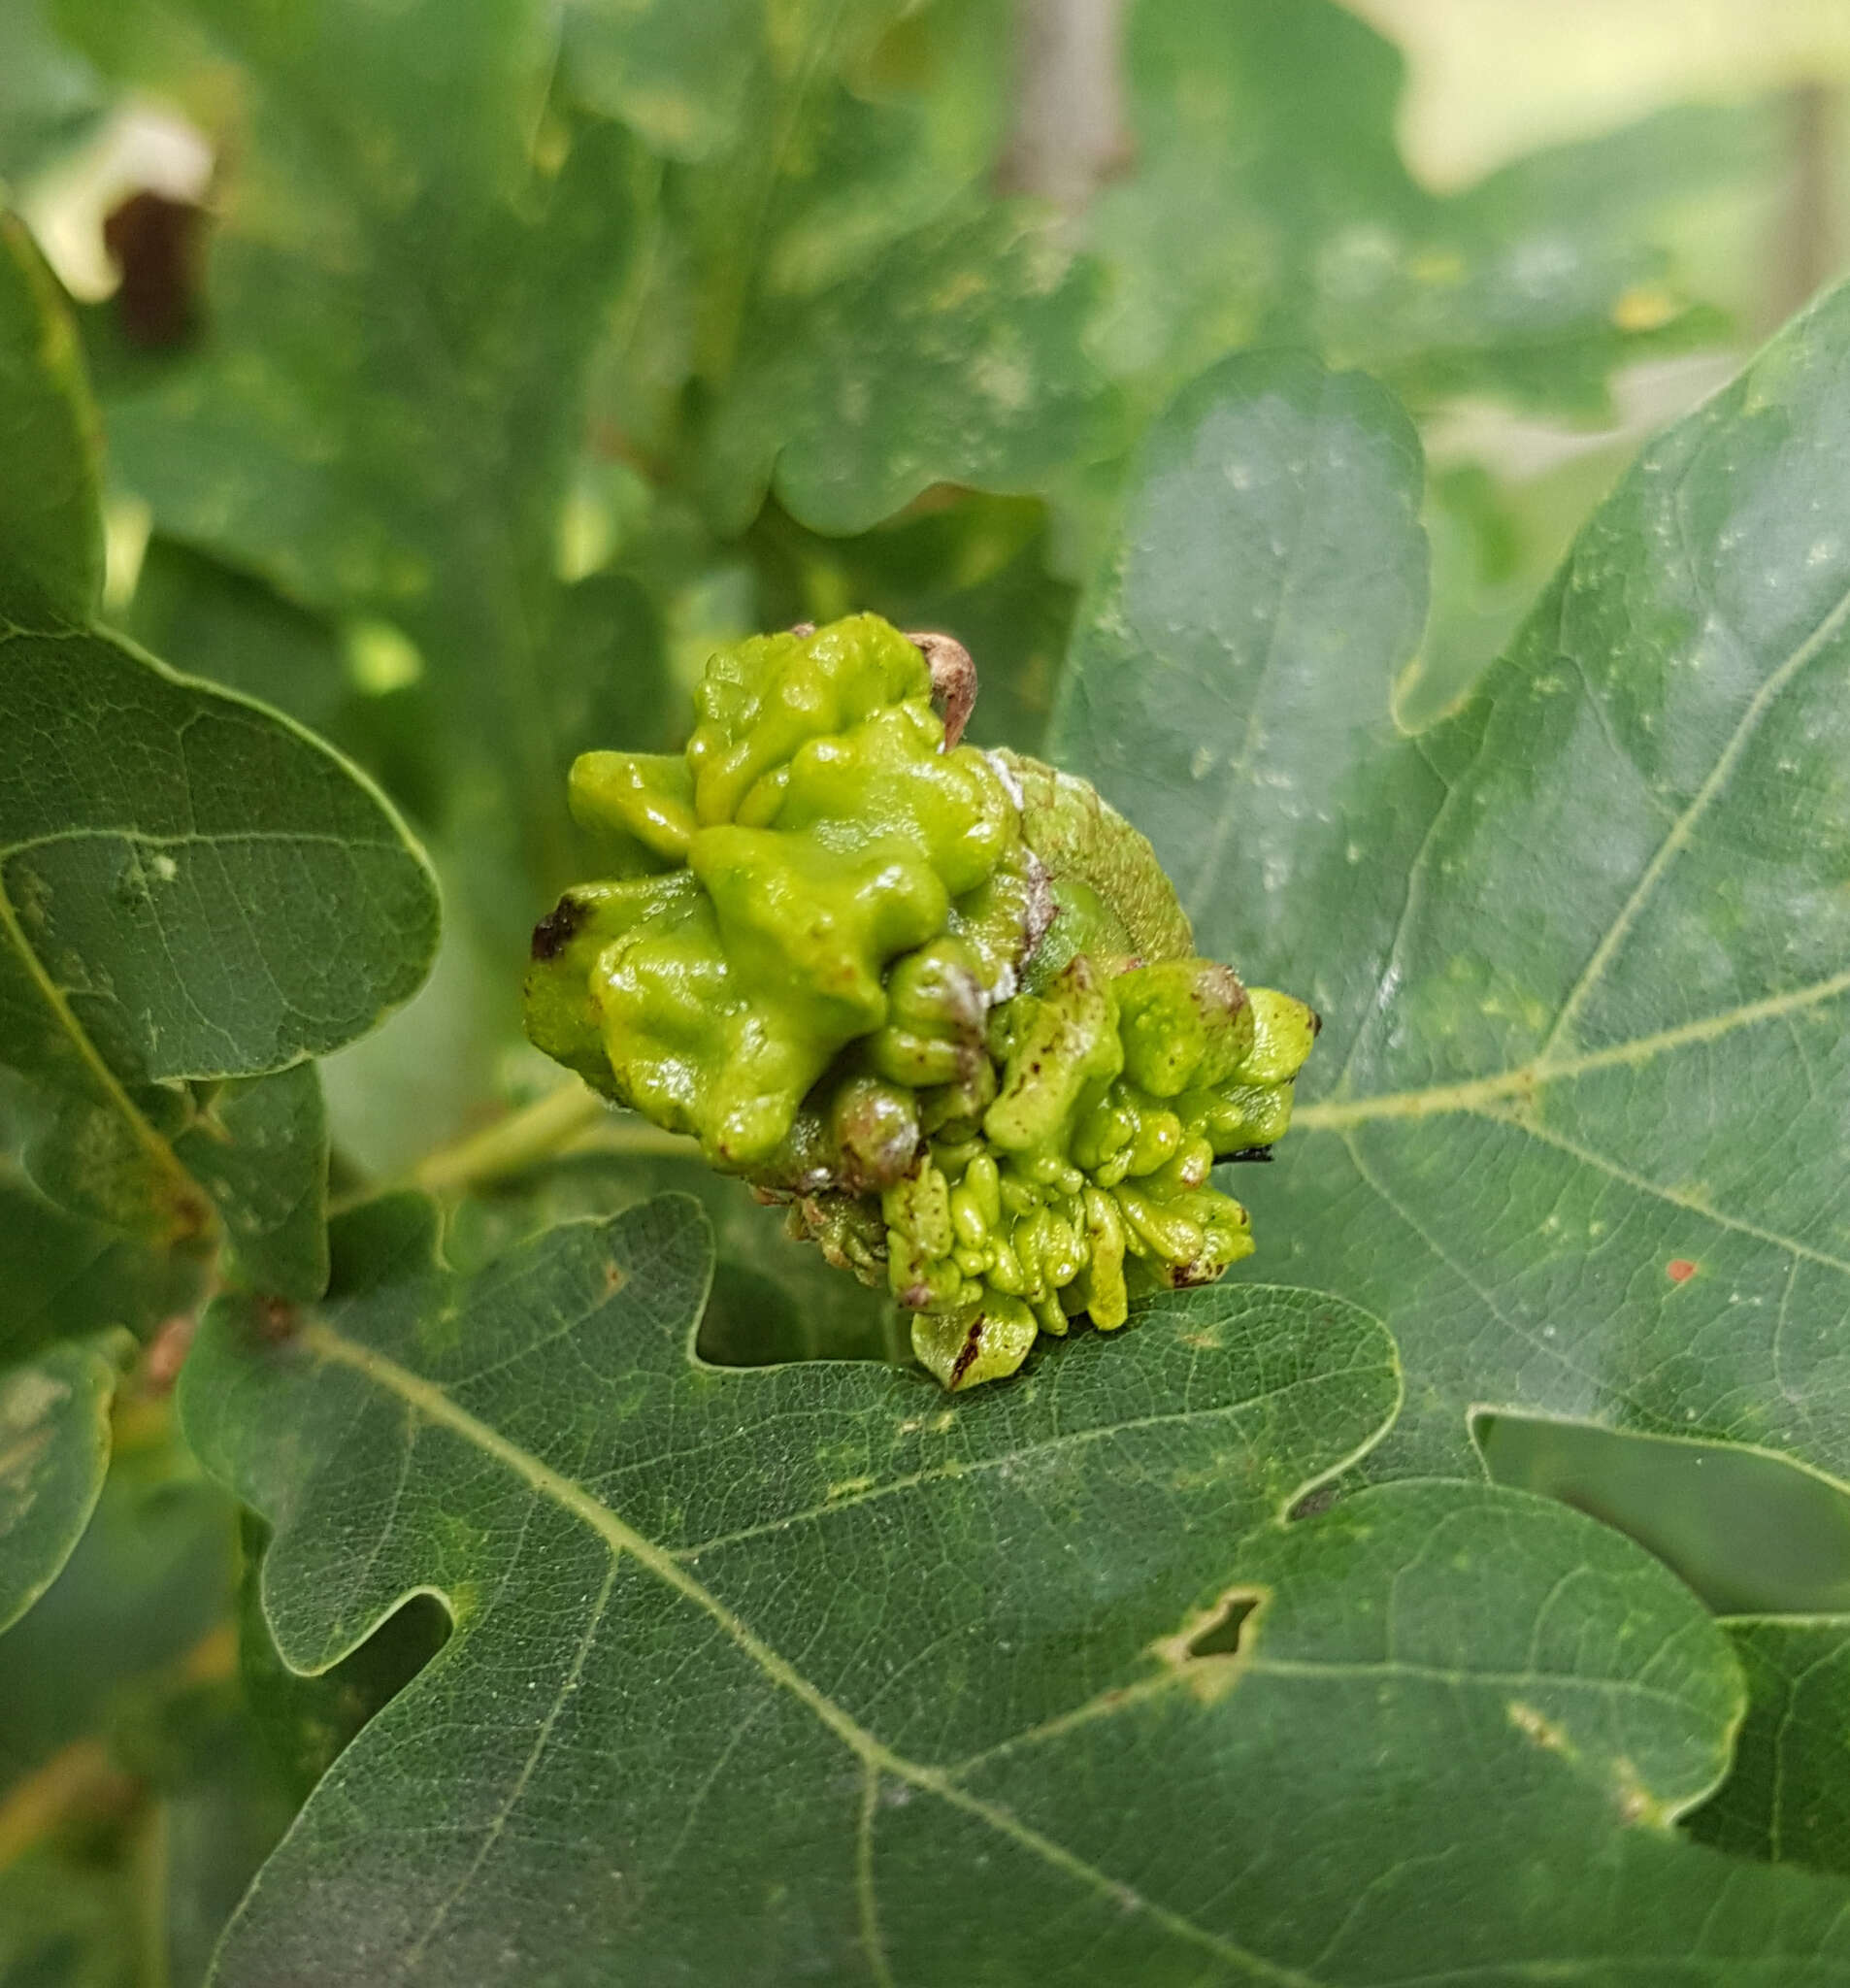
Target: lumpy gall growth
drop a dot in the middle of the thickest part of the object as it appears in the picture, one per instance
(941, 1003)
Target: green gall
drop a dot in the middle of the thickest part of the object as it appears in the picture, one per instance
(823, 834)
(940, 1004)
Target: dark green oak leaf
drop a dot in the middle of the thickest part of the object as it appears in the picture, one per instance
(259, 1148)
(306, 1722)
(1785, 1796)
(192, 889)
(772, 1298)
(1268, 564)
(570, 1360)
(1582, 951)
(805, 1671)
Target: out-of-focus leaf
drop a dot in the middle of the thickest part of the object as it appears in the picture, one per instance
(142, 1799)
(66, 1923)
(367, 691)
(698, 81)
(608, 648)
(49, 96)
(51, 523)
(1485, 575)
(860, 320)
(139, 1882)
(434, 1071)
(1787, 1796)
(147, 1584)
(863, 101)
(958, 357)
(1582, 952)
(54, 1453)
(215, 1809)
(237, 631)
(374, 423)
(961, 1685)
(1269, 203)
(857, 123)
(678, 74)
(1749, 1532)
(64, 1276)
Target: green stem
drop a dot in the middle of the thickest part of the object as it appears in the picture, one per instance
(572, 1117)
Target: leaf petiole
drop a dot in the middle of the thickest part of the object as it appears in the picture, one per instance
(572, 1117)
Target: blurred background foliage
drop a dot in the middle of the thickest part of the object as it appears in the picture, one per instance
(470, 369)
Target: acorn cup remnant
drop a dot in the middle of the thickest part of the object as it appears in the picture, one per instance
(941, 1003)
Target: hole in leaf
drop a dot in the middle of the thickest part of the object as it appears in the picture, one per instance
(1220, 1635)
(1750, 1532)
(754, 1320)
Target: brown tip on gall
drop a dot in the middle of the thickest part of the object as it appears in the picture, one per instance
(557, 930)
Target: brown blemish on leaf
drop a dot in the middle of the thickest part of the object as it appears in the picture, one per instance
(615, 1276)
(1679, 1270)
(1637, 1804)
(1537, 1728)
(277, 1319)
(167, 1352)
(81, 1786)
(195, 1223)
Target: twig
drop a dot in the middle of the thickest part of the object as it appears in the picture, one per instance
(572, 1118)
